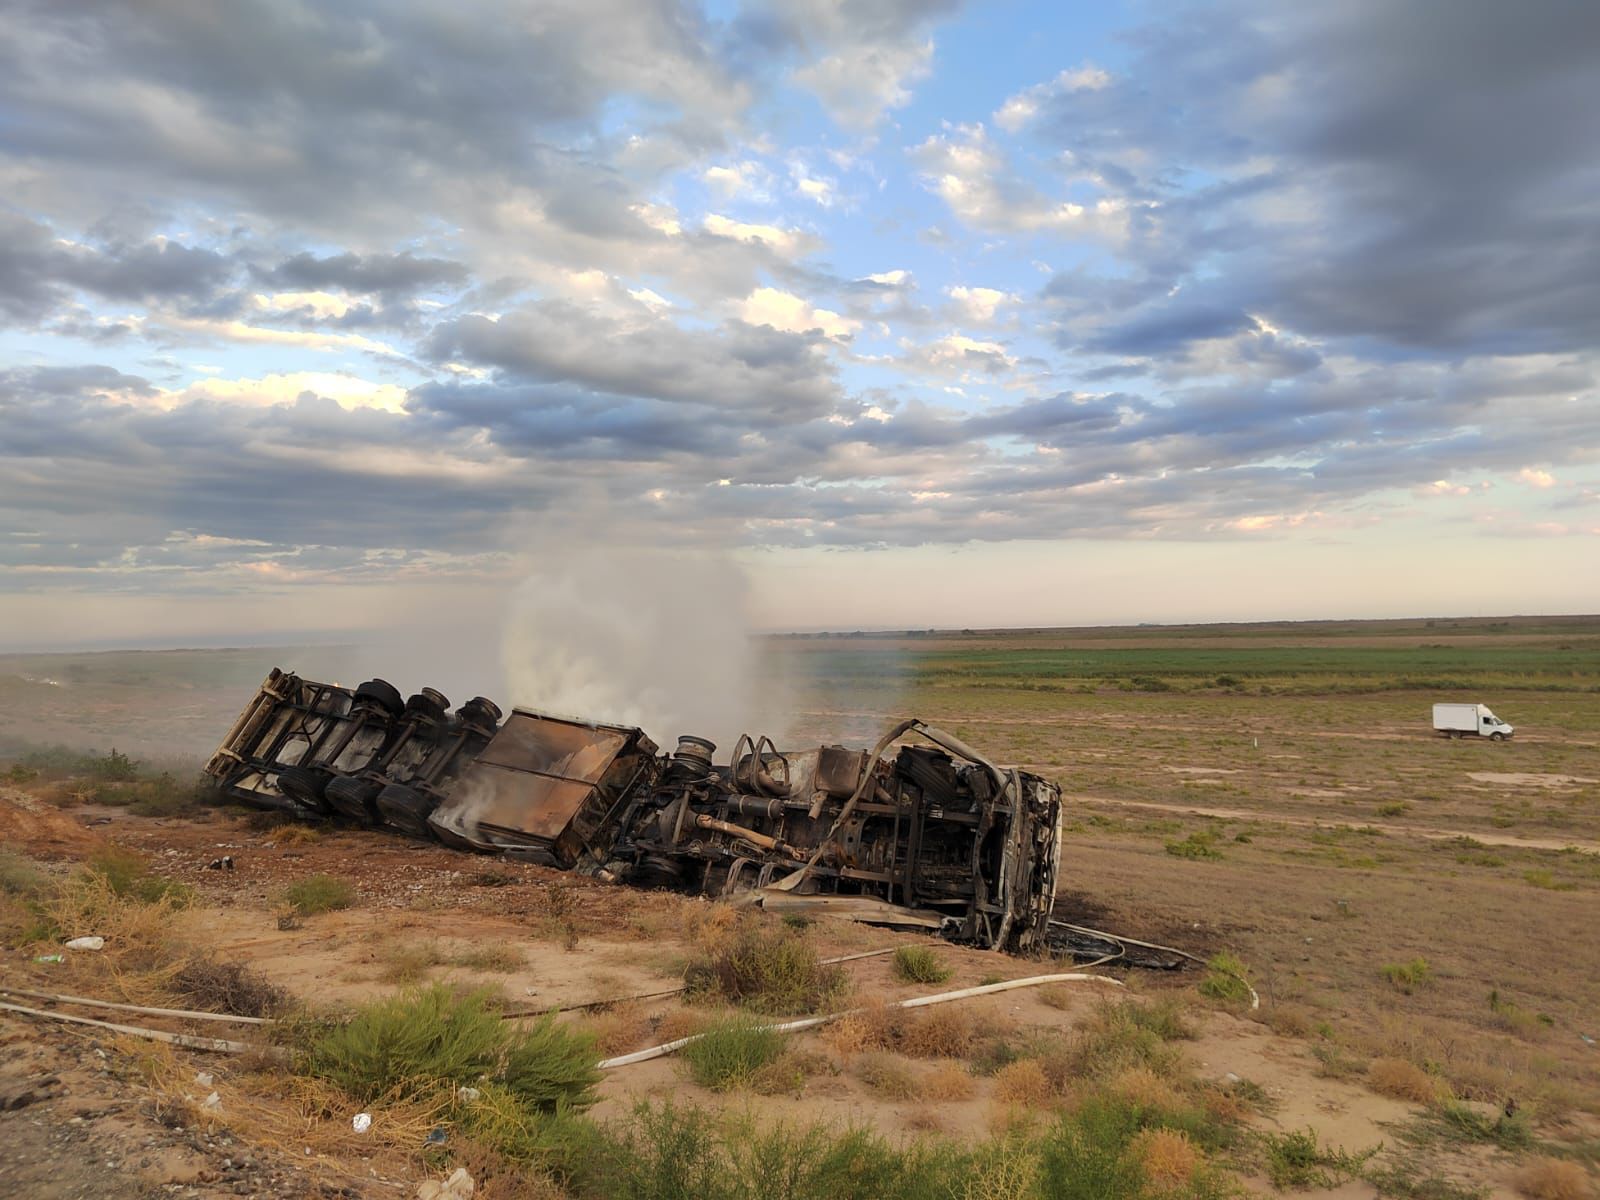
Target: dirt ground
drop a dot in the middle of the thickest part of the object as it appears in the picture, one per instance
(1323, 839)
(607, 942)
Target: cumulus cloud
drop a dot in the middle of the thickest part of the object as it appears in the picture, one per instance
(343, 293)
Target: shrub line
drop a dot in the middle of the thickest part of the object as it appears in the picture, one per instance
(672, 991)
(1006, 985)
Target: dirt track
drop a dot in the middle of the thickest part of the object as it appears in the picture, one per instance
(1417, 831)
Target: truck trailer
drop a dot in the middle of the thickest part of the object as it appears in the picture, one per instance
(1469, 720)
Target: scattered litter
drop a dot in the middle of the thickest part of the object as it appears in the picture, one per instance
(204, 1078)
(225, 863)
(49, 958)
(361, 1122)
(1230, 1077)
(1587, 1038)
(288, 921)
(457, 1186)
(436, 1136)
(468, 1094)
(87, 943)
(212, 1103)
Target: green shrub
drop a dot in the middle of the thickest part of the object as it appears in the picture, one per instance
(730, 1052)
(411, 1044)
(1408, 977)
(919, 964)
(1461, 1122)
(550, 1065)
(319, 894)
(1296, 1160)
(115, 767)
(423, 1040)
(769, 971)
(1200, 844)
(1226, 979)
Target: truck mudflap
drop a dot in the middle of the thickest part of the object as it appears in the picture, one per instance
(922, 831)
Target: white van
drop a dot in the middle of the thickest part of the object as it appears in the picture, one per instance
(1469, 720)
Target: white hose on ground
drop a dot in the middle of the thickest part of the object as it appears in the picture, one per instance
(187, 1014)
(639, 1056)
(188, 1041)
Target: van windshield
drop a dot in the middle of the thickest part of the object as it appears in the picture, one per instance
(1488, 716)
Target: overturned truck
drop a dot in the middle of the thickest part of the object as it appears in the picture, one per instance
(933, 836)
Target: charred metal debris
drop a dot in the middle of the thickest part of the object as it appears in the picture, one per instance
(929, 836)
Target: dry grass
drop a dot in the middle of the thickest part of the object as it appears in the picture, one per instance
(407, 963)
(886, 1075)
(1142, 1087)
(1402, 1080)
(942, 1031)
(1169, 1158)
(876, 1025)
(948, 1081)
(1553, 1179)
(496, 957)
(622, 1029)
(228, 987)
(1025, 1083)
(679, 1023)
(1057, 995)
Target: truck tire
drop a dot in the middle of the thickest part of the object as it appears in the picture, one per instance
(426, 706)
(382, 693)
(1497, 736)
(353, 798)
(304, 785)
(407, 809)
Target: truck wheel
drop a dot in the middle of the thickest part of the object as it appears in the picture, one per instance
(406, 809)
(1497, 737)
(382, 693)
(303, 784)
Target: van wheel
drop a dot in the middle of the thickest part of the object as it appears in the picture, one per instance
(1497, 737)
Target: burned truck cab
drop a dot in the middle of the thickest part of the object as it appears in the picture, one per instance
(546, 789)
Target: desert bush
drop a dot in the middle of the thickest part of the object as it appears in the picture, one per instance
(886, 1075)
(942, 1031)
(410, 1044)
(1402, 1080)
(948, 1081)
(1226, 979)
(409, 962)
(115, 767)
(1408, 977)
(496, 956)
(418, 1043)
(1455, 1120)
(228, 987)
(768, 972)
(1199, 844)
(1023, 1082)
(319, 894)
(919, 964)
(1553, 1179)
(551, 1065)
(730, 1051)
(1168, 1158)
(1297, 1160)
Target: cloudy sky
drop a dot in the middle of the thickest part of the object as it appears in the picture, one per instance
(929, 314)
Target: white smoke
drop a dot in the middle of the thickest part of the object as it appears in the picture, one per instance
(635, 636)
